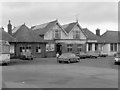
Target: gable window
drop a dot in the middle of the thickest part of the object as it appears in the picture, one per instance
(57, 34)
(90, 47)
(38, 49)
(76, 34)
(79, 47)
(69, 47)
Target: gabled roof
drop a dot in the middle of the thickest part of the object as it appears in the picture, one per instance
(43, 28)
(91, 36)
(24, 34)
(111, 36)
(6, 36)
(69, 27)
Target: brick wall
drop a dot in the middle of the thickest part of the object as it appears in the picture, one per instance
(33, 49)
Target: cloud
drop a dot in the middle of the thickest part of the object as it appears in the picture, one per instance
(40, 12)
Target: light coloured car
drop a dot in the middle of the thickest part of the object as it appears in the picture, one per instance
(68, 58)
(4, 52)
(93, 54)
(117, 58)
(4, 59)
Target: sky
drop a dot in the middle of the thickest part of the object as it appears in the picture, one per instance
(91, 15)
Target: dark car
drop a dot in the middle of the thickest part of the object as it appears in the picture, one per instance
(26, 56)
(68, 58)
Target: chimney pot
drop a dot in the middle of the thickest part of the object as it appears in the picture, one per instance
(98, 32)
(9, 28)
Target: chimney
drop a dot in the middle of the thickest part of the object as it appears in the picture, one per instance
(98, 32)
(9, 28)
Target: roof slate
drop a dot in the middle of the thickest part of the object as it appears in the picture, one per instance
(6, 36)
(91, 36)
(24, 34)
(111, 36)
(43, 28)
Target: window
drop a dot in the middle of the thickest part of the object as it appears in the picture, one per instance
(50, 47)
(0, 48)
(22, 49)
(11, 48)
(79, 47)
(57, 34)
(96, 46)
(69, 47)
(76, 34)
(28, 48)
(90, 47)
(113, 46)
(38, 49)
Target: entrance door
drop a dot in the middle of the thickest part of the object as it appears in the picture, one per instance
(59, 49)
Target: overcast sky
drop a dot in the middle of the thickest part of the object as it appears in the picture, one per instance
(93, 15)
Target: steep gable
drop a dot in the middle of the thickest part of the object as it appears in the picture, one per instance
(74, 27)
(43, 28)
(69, 27)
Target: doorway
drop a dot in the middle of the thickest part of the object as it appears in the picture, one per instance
(59, 48)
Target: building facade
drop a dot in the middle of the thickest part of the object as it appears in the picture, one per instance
(26, 41)
(94, 41)
(7, 37)
(67, 38)
(111, 42)
(45, 40)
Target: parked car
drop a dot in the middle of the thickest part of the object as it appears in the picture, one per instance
(68, 58)
(26, 56)
(93, 54)
(117, 58)
(103, 54)
(82, 55)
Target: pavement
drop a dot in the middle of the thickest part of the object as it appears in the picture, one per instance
(47, 73)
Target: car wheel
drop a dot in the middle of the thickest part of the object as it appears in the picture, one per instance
(78, 60)
(31, 58)
(59, 61)
(115, 63)
(68, 61)
(4, 64)
(95, 57)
